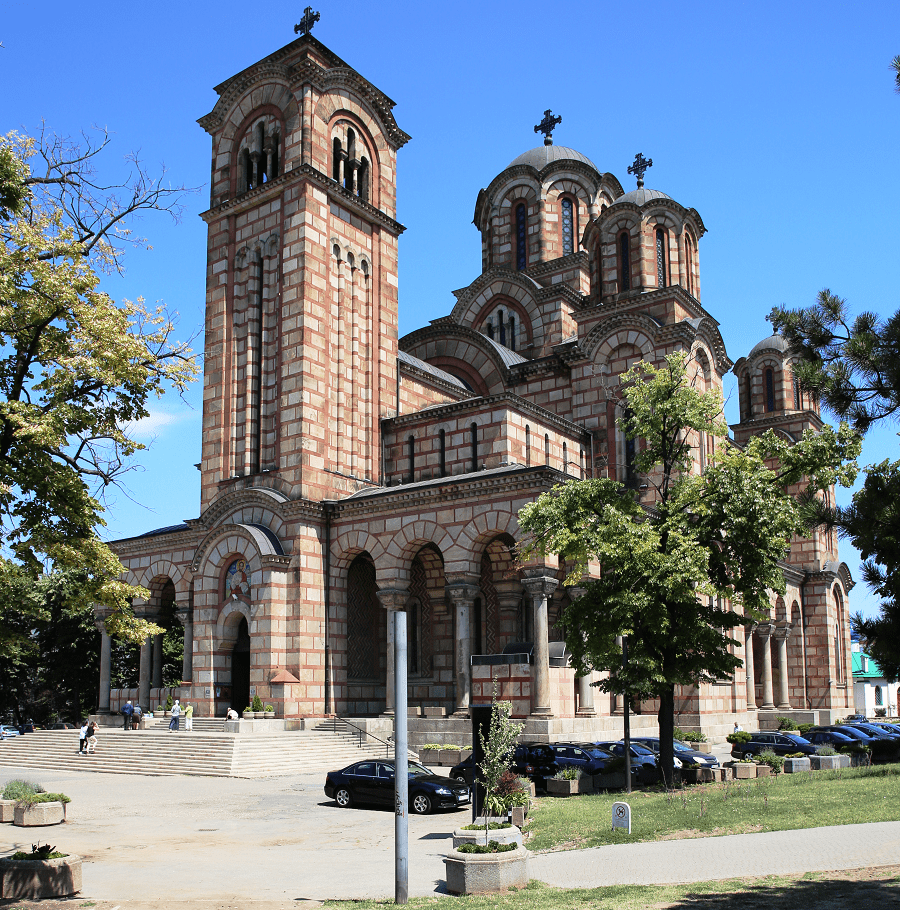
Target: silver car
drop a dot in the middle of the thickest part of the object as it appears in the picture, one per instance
(683, 751)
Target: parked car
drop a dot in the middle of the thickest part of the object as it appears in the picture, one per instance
(855, 718)
(850, 733)
(536, 761)
(824, 736)
(62, 726)
(768, 741)
(586, 757)
(875, 731)
(640, 755)
(7, 732)
(373, 782)
(683, 752)
(887, 727)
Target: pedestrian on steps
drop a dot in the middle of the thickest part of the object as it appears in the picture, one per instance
(176, 712)
(82, 739)
(188, 718)
(136, 717)
(127, 711)
(91, 738)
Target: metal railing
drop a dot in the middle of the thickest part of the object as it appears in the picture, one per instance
(363, 735)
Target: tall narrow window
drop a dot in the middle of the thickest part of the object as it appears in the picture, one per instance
(336, 160)
(796, 382)
(411, 457)
(362, 180)
(521, 237)
(624, 262)
(702, 447)
(490, 329)
(473, 430)
(748, 396)
(660, 258)
(512, 332)
(770, 390)
(568, 228)
(581, 464)
(443, 444)
(527, 445)
(502, 326)
(689, 263)
(546, 448)
(413, 634)
(630, 453)
(565, 464)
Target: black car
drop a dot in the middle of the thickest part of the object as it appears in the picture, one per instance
(536, 761)
(875, 731)
(824, 736)
(373, 782)
(849, 733)
(683, 752)
(768, 741)
(586, 757)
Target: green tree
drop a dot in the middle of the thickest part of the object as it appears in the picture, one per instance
(77, 369)
(670, 575)
(498, 746)
(853, 365)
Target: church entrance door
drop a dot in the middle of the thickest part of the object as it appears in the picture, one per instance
(240, 669)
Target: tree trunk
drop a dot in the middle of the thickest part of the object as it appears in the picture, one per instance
(666, 718)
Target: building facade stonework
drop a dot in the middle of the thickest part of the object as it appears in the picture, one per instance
(347, 474)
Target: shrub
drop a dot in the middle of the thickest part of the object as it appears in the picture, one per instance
(257, 704)
(796, 755)
(491, 847)
(568, 774)
(739, 736)
(690, 736)
(248, 708)
(169, 703)
(825, 749)
(17, 789)
(804, 728)
(785, 723)
(451, 746)
(768, 757)
(30, 799)
(270, 709)
(39, 852)
(492, 826)
(431, 747)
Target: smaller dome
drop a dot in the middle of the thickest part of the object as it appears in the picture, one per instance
(642, 195)
(543, 155)
(772, 343)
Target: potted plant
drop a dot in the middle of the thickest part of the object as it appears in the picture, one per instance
(500, 832)
(430, 753)
(43, 873)
(248, 713)
(694, 738)
(796, 762)
(450, 754)
(745, 769)
(696, 774)
(257, 707)
(768, 763)
(568, 781)
(269, 712)
(12, 793)
(34, 810)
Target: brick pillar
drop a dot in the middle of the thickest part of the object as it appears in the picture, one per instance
(540, 588)
(462, 596)
(391, 599)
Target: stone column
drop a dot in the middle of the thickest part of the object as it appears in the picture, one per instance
(186, 617)
(462, 597)
(585, 689)
(144, 675)
(540, 588)
(749, 669)
(157, 662)
(764, 631)
(103, 701)
(391, 599)
(781, 636)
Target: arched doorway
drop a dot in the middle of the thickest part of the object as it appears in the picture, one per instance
(240, 668)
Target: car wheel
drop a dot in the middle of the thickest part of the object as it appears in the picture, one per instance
(343, 798)
(421, 804)
(459, 777)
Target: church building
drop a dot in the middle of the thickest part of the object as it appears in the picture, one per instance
(348, 473)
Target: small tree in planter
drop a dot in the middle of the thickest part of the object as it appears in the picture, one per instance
(498, 745)
(768, 757)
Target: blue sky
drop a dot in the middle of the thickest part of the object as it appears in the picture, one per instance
(778, 122)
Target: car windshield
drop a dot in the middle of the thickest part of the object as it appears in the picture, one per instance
(418, 770)
(870, 728)
(796, 738)
(682, 746)
(596, 752)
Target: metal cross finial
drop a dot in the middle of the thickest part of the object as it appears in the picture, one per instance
(640, 165)
(307, 22)
(547, 125)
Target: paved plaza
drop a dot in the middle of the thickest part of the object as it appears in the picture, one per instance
(278, 843)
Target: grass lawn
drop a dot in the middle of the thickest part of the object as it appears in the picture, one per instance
(860, 888)
(781, 803)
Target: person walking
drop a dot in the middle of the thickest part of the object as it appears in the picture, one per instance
(176, 712)
(136, 717)
(91, 738)
(128, 711)
(82, 739)
(188, 718)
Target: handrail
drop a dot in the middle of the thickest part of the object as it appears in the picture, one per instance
(387, 744)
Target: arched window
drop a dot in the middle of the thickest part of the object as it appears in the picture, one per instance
(502, 326)
(546, 448)
(567, 226)
(411, 457)
(362, 179)
(770, 389)
(245, 178)
(473, 432)
(879, 698)
(413, 636)
(527, 445)
(689, 263)
(521, 236)
(748, 397)
(512, 332)
(624, 261)
(336, 160)
(661, 257)
(490, 329)
(443, 444)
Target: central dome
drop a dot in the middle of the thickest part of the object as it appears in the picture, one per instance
(543, 155)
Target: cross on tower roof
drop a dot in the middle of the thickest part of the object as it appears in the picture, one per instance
(307, 22)
(547, 125)
(640, 165)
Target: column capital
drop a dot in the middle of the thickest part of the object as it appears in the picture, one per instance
(750, 627)
(185, 614)
(540, 585)
(765, 629)
(393, 598)
(461, 593)
(783, 633)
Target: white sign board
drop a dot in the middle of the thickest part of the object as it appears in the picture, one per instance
(621, 816)
(207, 693)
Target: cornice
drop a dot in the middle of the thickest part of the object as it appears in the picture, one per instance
(488, 277)
(554, 363)
(444, 331)
(775, 421)
(138, 546)
(578, 259)
(431, 380)
(563, 291)
(489, 402)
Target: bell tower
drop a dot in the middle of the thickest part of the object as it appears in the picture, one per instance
(301, 300)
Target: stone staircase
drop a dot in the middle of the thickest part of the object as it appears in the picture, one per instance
(156, 751)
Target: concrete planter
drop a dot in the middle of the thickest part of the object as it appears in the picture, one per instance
(484, 873)
(519, 814)
(764, 771)
(704, 747)
(721, 774)
(463, 755)
(269, 715)
(744, 770)
(449, 757)
(697, 775)
(827, 762)
(796, 765)
(39, 815)
(7, 810)
(511, 835)
(569, 787)
(613, 781)
(28, 879)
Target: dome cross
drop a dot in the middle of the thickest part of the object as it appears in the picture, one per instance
(307, 22)
(640, 165)
(547, 125)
